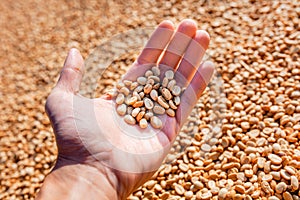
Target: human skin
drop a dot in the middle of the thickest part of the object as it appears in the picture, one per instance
(96, 160)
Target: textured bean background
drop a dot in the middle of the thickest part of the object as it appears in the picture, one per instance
(255, 45)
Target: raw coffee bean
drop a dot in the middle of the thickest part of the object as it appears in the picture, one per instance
(170, 112)
(129, 110)
(135, 112)
(156, 71)
(121, 109)
(132, 100)
(155, 78)
(120, 99)
(281, 187)
(287, 196)
(290, 170)
(133, 85)
(138, 104)
(171, 84)
(154, 95)
(135, 94)
(155, 122)
(176, 90)
(148, 103)
(165, 82)
(169, 74)
(157, 109)
(143, 123)
(294, 183)
(127, 83)
(150, 81)
(140, 116)
(177, 100)
(139, 89)
(142, 80)
(125, 91)
(147, 88)
(179, 189)
(148, 73)
(172, 105)
(284, 174)
(166, 94)
(148, 115)
(275, 159)
(156, 86)
(162, 102)
(142, 95)
(129, 119)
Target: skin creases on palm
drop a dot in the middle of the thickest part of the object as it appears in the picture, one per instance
(117, 144)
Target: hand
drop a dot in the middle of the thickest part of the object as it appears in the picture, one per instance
(93, 143)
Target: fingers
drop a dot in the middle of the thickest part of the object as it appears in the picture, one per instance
(180, 41)
(72, 72)
(194, 90)
(192, 58)
(157, 43)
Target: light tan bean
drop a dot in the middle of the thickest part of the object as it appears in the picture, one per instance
(148, 115)
(147, 88)
(133, 85)
(156, 86)
(127, 83)
(150, 81)
(142, 95)
(172, 105)
(139, 89)
(121, 109)
(166, 94)
(138, 104)
(154, 95)
(162, 102)
(140, 115)
(294, 183)
(148, 73)
(176, 90)
(281, 187)
(143, 123)
(120, 99)
(120, 85)
(156, 71)
(135, 112)
(171, 84)
(148, 103)
(129, 119)
(170, 112)
(155, 78)
(287, 196)
(275, 159)
(169, 74)
(157, 109)
(156, 122)
(165, 82)
(142, 80)
(132, 100)
(125, 91)
(177, 100)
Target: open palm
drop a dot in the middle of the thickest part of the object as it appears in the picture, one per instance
(89, 131)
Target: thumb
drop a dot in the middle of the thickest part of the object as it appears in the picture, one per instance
(72, 72)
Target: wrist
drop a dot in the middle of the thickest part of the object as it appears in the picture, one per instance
(77, 181)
